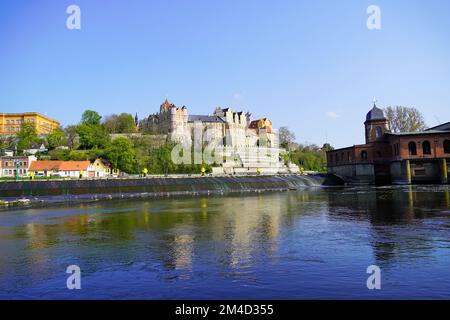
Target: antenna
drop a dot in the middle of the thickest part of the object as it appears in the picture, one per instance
(437, 119)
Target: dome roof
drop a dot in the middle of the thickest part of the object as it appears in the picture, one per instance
(375, 114)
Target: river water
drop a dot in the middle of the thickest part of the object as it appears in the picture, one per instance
(314, 243)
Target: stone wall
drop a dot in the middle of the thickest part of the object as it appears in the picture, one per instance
(355, 173)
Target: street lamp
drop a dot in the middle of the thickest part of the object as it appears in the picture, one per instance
(17, 166)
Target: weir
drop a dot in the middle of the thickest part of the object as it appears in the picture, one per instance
(114, 188)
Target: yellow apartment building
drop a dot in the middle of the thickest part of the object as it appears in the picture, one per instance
(10, 123)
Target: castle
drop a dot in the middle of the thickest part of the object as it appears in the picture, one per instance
(251, 145)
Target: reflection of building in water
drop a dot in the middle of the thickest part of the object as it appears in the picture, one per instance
(182, 250)
(391, 212)
(244, 232)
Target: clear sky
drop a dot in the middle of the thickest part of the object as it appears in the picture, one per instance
(310, 65)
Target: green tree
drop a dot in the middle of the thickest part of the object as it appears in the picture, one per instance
(122, 155)
(27, 137)
(327, 147)
(56, 139)
(405, 119)
(309, 157)
(90, 117)
(122, 123)
(92, 136)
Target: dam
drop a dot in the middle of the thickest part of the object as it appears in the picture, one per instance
(95, 189)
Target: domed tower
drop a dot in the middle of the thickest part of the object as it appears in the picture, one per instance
(376, 124)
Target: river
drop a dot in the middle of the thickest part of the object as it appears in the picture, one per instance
(314, 243)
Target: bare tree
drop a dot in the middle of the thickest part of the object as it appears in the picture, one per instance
(405, 119)
(286, 136)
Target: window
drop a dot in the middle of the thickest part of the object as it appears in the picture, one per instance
(447, 146)
(364, 155)
(412, 147)
(378, 132)
(426, 147)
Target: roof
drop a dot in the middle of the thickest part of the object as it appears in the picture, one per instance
(104, 162)
(426, 132)
(201, 118)
(255, 123)
(52, 165)
(375, 114)
(441, 127)
(74, 165)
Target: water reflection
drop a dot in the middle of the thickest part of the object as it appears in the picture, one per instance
(406, 207)
(207, 241)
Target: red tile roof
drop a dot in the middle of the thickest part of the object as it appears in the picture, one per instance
(59, 165)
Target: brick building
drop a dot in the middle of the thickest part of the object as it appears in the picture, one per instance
(397, 158)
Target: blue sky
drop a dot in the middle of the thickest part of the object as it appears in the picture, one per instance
(310, 65)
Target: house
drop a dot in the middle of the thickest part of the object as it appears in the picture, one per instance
(394, 158)
(69, 169)
(34, 151)
(10, 166)
(102, 168)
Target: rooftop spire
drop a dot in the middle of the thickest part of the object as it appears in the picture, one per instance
(375, 102)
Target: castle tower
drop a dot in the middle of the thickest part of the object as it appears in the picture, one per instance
(376, 124)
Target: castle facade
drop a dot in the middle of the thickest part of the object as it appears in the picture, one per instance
(251, 145)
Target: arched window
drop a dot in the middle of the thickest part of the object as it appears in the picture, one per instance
(412, 148)
(447, 146)
(364, 155)
(426, 147)
(378, 132)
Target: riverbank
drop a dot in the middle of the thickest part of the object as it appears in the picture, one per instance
(19, 193)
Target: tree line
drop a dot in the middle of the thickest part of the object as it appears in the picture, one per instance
(91, 139)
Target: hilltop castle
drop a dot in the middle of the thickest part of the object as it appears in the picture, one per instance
(251, 144)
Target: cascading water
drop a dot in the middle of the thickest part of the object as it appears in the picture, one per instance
(73, 190)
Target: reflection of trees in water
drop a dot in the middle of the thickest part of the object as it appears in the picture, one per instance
(226, 232)
(394, 213)
(232, 230)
